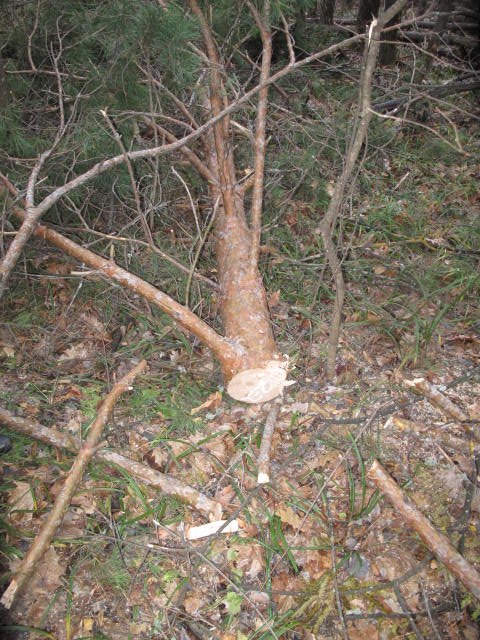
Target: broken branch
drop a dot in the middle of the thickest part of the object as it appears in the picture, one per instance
(263, 463)
(435, 541)
(437, 398)
(220, 346)
(166, 484)
(85, 454)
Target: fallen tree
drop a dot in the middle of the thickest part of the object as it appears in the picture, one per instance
(252, 366)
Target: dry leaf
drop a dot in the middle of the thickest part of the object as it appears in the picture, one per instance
(8, 351)
(212, 402)
(193, 603)
(76, 352)
(288, 516)
(250, 560)
(22, 504)
(43, 584)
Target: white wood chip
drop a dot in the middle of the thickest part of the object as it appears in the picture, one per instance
(209, 529)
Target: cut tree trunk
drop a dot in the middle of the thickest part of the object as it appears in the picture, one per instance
(252, 369)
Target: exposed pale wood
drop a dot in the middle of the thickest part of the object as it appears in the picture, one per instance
(437, 398)
(261, 384)
(263, 462)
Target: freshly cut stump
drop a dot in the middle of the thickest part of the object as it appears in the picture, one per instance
(260, 385)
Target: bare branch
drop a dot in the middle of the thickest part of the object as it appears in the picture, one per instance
(434, 540)
(163, 482)
(372, 46)
(136, 195)
(263, 461)
(33, 66)
(221, 347)
(154, 152)
(217, 99)
(190, 155)
(260, 147)
(176, 101)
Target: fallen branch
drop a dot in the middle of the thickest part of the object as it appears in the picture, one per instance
(435, 541)
(437, 398)
(427, 93)
(54, 520)
(182, 316)
(263, 463)
(164, 483)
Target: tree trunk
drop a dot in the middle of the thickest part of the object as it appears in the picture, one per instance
(325, 10)
(367, 10)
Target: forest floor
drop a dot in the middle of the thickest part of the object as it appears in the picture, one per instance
(318, 552)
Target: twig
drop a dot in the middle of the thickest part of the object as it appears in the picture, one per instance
(434, 540)
(33, 66)
(201, 242)
(403, 603)
(72, 481)
(138, 204)
(161, 481)
(328, 223)
(263, 463)
(220, 114)
(165, 256)
(333, 556)
(33, 213)
(422, 126)
(437, 398)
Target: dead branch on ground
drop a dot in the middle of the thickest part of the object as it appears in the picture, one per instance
(263, 462)
(165, 483)
(434, 540)
(437, 398)
(73, 479)
(437, 91)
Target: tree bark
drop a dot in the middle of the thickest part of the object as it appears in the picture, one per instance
(325, 10)
(242, 298)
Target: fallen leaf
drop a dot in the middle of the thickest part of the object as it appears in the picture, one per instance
(288, 516)
(212, 402)
(22, 504)
(250, 560)
(76, 352)
(8, 351)
(193, 603)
